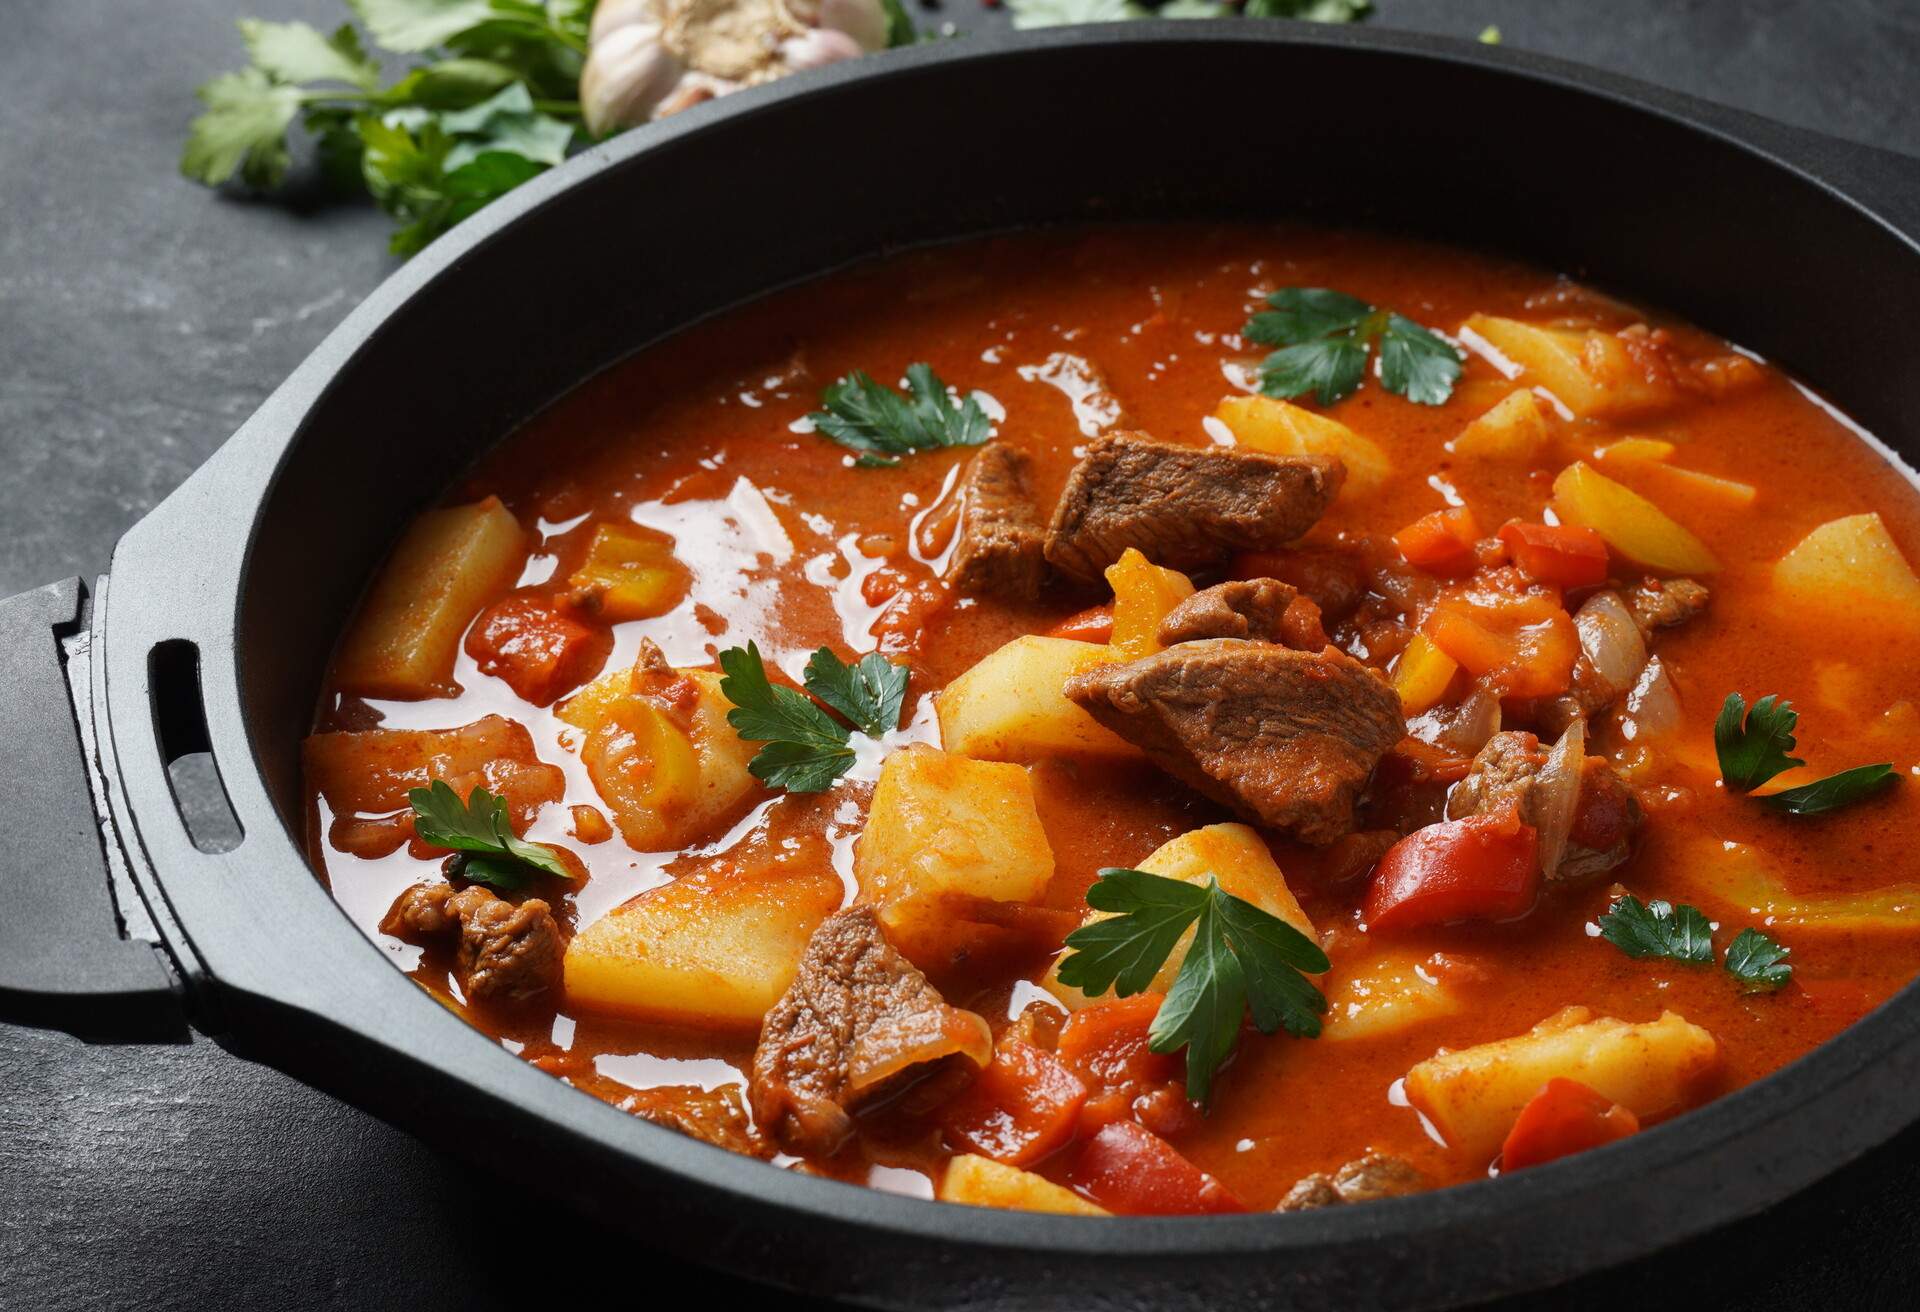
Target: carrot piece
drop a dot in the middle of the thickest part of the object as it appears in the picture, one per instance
(1133, 1171)
(1513, 633)
(1441, 543)
(1565, 1117)
(1564, 555)
(1094, 624)
(1485, 867)
(1024, 1106)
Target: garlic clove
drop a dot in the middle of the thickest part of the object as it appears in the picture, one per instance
(628, 73)
(819, 47)
(863, 20)
(611, 15)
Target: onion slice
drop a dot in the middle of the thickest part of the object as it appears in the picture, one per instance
(1611, 640)
(1556, 795)
(1652, 709)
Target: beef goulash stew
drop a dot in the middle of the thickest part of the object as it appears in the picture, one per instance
(1150, 721)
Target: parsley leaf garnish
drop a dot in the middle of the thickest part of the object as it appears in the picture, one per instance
(1755, 745)
(1658, 929)
(1758, 962)
(869, 692)
(1241, 958)
(1324, 337)
(805, 749)
(1683, 933)
(883, 425)
(478, 830)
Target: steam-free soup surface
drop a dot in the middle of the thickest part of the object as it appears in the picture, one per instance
(688, 487)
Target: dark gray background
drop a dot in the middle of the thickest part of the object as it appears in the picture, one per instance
(142, 319)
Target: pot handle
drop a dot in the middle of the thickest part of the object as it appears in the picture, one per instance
(66, 959)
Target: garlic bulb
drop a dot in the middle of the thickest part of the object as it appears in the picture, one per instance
(651, 58)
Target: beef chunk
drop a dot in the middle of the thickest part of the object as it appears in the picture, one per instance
(1000, 548)
(507, 952)
(1663, 603)
(1287, 738)
(1606, 818)
(715, 1116)
(1605, 822)
(1503, 772)
(1183, 506)
(1377, 1175)
(858, 1025)
(1266, 609)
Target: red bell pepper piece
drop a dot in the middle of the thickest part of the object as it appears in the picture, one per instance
(1024, 1106)
(1565, 1117)
(1106, 1045)
(1133, 1171)
(1441, 543)
(540, 651)
(1094, 624)
(1485, 867)
(1565, 555)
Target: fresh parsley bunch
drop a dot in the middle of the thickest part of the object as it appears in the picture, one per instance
(491, 102)
(1241, 959)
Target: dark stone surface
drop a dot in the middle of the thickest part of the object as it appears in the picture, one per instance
(141, 319)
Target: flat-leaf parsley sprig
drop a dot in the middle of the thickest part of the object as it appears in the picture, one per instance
(1658, 929)
(1755, 745)
(1325, 336)
(1241, 959)
(803, 748)
(879, 423)
(486, 849)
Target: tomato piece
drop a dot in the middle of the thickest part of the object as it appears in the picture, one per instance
(541, 652)
(1565, 1117)
(1485, 867)
(1565, 555)
(1094, 624)
(1024, 1106)
(1133, 1171)
(1513, 633)
(1106, 1045)
(1440, 543)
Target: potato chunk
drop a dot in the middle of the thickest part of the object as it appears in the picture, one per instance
(1631, 524)
(1472, 1096)
(1514, 429)
(630, 573)
(983, 1182)
(1236, 855)
(714, 948)
(660, 751)
(1011, 707)
(1591, 373)
(446, 567)
(1392, 992)
(1267, 424)
(1143, 595)
(942, 827)
(1851, 565)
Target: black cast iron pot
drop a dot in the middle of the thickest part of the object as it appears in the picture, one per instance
(225, 601)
